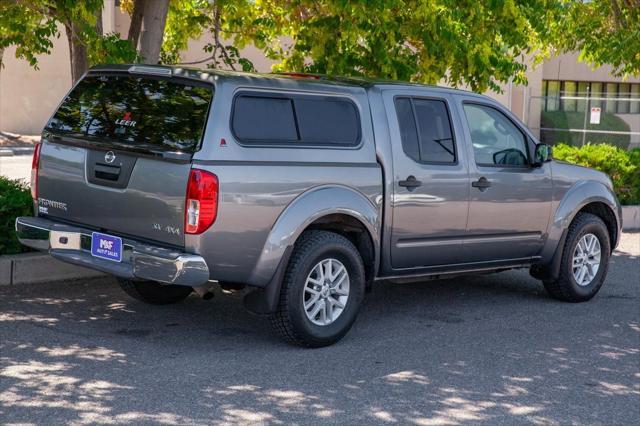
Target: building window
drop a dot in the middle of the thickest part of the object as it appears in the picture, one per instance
(572, 96)
(634, 107)
(583, 92)
(598, 94)
(569, 89)
(553, 96)
(612, 93)
(624, 91)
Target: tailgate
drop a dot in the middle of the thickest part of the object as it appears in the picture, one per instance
(116, 155)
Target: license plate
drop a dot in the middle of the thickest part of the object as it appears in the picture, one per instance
(106, 247)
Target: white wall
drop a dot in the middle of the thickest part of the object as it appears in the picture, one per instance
(28, 97)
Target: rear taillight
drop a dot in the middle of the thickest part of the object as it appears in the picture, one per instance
(201, 207)
(35, 165)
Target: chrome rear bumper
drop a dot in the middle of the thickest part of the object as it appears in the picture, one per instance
(139, 260)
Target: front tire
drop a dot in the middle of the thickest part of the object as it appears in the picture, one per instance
(322, 290)
(585, 260)
(155, 293)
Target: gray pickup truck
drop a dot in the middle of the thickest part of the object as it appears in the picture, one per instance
(303, 190)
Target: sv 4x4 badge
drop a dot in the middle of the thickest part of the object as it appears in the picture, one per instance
(167, 229)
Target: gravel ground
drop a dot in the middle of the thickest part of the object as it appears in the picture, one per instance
(490, 349)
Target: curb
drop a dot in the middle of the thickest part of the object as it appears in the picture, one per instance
(630, 218)
(32, 268)
(10, 151)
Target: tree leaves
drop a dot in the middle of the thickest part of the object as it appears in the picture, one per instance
(605, 32)
(29, 30)
(460, 42)
(478, 44)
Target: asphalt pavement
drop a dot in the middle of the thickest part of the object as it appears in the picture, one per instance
(491, 349)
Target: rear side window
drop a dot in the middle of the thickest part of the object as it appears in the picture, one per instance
(425, 130)
(143, 113)
(262, 118)
(408, 130)
(295, 120)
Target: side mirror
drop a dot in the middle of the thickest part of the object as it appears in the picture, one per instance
(542, 154)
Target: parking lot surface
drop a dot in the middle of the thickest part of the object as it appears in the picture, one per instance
(490, 349)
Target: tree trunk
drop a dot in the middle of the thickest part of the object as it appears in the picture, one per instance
(136, 22)
(77, 53)
(154, 18)
(99, 28)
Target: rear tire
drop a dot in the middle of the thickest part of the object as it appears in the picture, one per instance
(585, 260)
(155, 293)
(316, 315)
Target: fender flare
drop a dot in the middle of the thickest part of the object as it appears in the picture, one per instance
(583, 193)
(299, 214)
(575, 199)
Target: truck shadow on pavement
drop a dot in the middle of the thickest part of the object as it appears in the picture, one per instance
(483, 349)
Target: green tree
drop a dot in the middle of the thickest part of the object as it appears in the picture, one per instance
(463, 42)
(605, 32)
(146, 31)
(479, 44)
(226, 23)
(30, 31)
(186, 20)
(31, 25)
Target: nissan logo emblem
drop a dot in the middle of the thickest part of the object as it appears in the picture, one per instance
(110, 157)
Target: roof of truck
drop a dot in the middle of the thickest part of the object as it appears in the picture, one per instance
(211, 75)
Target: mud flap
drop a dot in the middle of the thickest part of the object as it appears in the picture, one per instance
(551, 270)
(264, 301)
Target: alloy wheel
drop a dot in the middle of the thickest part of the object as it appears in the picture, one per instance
(326, 292)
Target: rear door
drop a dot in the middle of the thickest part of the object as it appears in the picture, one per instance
(116, 154)
(431, 183)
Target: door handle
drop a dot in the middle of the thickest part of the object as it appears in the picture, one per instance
(411, 182)
(481, 183)
(106, 172)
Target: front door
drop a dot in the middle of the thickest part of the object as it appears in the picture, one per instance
(431, 184)
(510, 200)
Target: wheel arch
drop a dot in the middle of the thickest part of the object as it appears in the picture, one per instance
(591, 197)
(586, 196)
(335, 208)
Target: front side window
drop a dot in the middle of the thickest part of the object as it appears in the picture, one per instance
(425, 130)
(496, 140)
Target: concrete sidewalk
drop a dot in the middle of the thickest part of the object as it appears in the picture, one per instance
(16, 167)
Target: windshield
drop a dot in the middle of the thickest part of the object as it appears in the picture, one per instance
(141, 112)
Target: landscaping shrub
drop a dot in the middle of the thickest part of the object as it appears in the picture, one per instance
(623, 167)
(15, 200)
